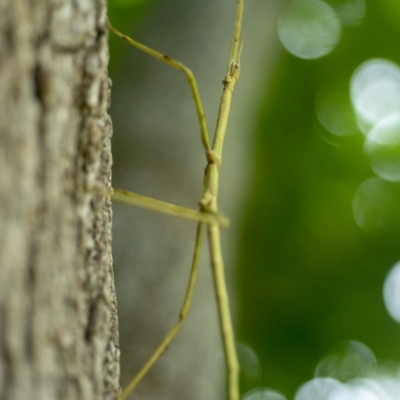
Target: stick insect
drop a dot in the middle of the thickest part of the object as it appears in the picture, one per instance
(208, 216)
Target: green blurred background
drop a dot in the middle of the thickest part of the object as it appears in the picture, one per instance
(307, 278)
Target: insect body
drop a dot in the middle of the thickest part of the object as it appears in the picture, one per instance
(208, 216)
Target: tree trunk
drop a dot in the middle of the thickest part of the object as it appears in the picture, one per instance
(58, 323)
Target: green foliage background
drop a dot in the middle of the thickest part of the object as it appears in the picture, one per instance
(307, 276)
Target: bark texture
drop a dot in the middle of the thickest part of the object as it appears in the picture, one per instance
(58, 324)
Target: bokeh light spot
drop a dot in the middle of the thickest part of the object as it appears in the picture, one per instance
(376, 206)
(355, 391)
(248, 361)
(334, 111)
(317, 389)
(391, 292)
(390, 385)
(382, 148)
(375, 92)
(351, 360)
(264, 394)
(309, 28)
(351, 12)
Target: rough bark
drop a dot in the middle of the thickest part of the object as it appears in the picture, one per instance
(58, 324)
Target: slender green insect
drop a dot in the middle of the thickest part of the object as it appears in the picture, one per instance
(208, 216)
